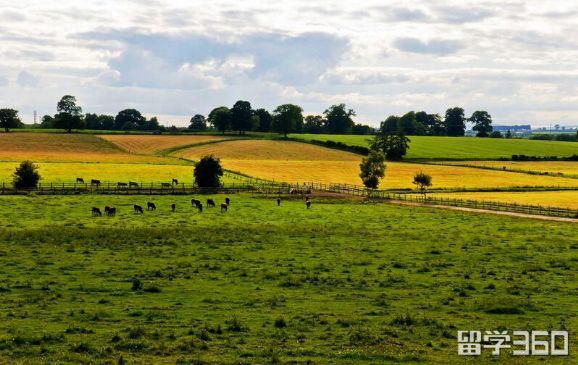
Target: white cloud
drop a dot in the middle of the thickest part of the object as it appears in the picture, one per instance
(179, 57)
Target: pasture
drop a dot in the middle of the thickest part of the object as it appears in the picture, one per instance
(152, 144)
(297, 162)
(462, 148)
(106, 172)
(344, 282)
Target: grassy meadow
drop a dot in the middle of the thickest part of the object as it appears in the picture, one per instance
(341, 283)
(457, 148)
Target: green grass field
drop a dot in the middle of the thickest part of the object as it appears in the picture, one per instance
(342, 283)
(422, 147)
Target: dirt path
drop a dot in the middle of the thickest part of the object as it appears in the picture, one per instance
(486, 211)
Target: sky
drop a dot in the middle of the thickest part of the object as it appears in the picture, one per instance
(517, 59)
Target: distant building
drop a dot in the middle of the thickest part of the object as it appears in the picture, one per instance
(514, 128)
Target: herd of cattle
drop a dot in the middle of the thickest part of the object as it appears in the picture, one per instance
(111, 211)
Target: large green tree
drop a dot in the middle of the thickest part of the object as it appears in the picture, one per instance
(69, 114)
(390, 125)
(410, 126)
(99, 122)
(393, 145)
(338, 119)
(286, 117)
(198, 123)
(241, 116)
(129, 119)
(9, 119)
(265, 120)
(455, 122)
(314, 124)
(433, 123)
(208, 172)
(220, 118)
(372, 168)
(482, 121)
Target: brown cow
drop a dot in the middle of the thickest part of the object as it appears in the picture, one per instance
(151, 206)
(278, 201)
(173, 207)
(80, 180)
(224, 207)
(175, 181)
(138, 209)
(210, 203)
(308, 204)
(96, 212)
(227, 201)
(110, 211)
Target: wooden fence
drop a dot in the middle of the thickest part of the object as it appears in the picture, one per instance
(258, 186)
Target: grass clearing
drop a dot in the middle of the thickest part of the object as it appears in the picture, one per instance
(151, 144)
(340, 283)
(470, 148)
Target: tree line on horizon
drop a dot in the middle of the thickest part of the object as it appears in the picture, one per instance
(284, 119)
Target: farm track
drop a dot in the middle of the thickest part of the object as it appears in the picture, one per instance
(486, 211)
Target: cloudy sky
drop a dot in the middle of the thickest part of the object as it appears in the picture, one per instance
(515, 58)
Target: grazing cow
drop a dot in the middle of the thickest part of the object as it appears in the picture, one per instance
(173, 207)
(166, 185)
(175, 181)
(80, 180)
(308, 204)
(151, 206)
(224, 207)
(306, 198)
(200, 207)
(95, 182)
(106, 209)
(195, 202)
(138, 209)
(111, 211)
(278, 201)
(96, 212)
(227, 201)
(210, 203)
(132, 183)
(121, 185)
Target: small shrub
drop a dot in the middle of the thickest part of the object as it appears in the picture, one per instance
(26, 175)
(136, 284)
(280, 322)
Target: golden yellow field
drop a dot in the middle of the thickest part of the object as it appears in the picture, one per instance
(150, 144)
(561, 199)
(62, 147)
(267, 150)
(552, 167)
(106, 172)
(297, 162)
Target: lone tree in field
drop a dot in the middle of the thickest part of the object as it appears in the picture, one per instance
(372, 169)
(208, 172)
(393, 145)
(69, 114)
(198, 123)
(9, 119)
(482, 123)
(26, 175)
(286, 117)
(423, 182)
